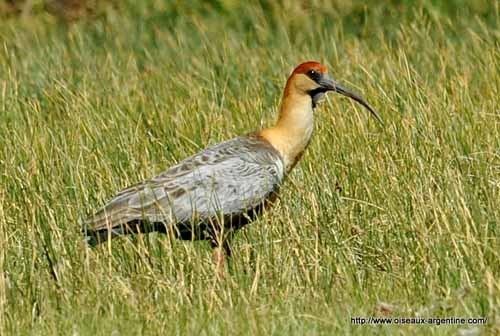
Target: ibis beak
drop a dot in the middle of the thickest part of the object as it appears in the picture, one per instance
(330, 85)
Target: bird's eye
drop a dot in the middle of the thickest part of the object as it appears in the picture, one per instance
(314, 75)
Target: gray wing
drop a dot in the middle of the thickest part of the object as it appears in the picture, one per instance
(229, 178)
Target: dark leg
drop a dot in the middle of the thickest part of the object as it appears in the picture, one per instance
(227, 246)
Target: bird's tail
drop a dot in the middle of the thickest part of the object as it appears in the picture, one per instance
(94, 237)
(103, 226)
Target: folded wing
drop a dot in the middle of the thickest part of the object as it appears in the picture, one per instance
(230, 178)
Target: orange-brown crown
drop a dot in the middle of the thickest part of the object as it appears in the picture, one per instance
(305, 67)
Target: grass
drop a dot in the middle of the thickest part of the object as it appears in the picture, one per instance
(400, 221)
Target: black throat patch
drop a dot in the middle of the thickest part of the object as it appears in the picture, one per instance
(316, 96)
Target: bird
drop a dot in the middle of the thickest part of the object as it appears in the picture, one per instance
(214, 193)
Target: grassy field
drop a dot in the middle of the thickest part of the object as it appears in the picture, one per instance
(400, 221)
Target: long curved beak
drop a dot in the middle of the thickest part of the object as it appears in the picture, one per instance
(329, 84)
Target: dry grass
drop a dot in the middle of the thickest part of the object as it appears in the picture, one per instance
(401, 220)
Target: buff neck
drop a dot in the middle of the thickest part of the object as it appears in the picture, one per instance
(293, 130)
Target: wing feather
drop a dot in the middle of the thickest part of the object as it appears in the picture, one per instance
(230, 178)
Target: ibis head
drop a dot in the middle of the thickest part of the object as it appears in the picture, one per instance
(312, 78)
(305, 87)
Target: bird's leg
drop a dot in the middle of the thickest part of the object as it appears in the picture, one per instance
(222, 249)
(219, 261)
(227, 246)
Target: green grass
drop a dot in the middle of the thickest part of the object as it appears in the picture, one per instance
(407, 214)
